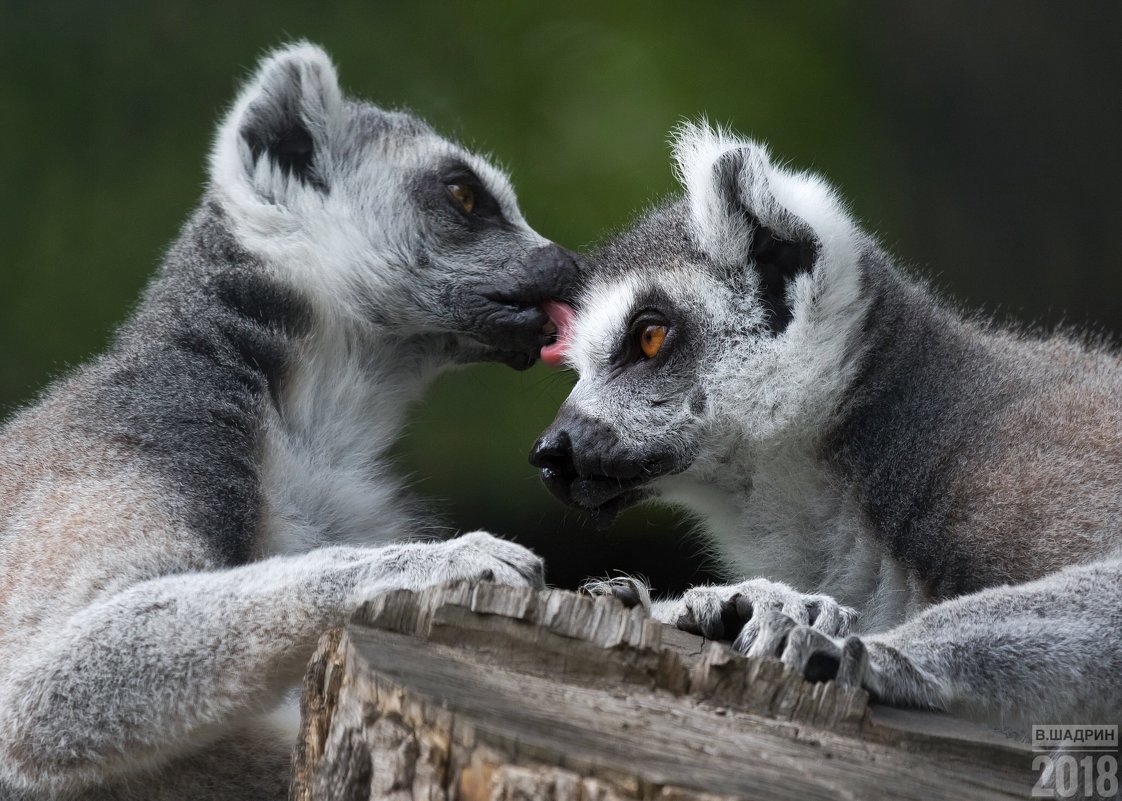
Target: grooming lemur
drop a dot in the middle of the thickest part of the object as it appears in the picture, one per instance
(947, 489)
(183, 516)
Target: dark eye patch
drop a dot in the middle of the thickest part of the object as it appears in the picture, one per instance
(430, 188)
(485, 207)
(653, 308)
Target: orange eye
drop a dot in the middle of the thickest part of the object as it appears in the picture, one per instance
(651, 339)
(463, 195)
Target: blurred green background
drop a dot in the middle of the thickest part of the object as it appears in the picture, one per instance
(980, 140)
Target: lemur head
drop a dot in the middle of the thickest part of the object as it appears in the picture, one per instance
(379, 220)
(723, 320)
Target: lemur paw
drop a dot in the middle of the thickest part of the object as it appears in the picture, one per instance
(731, 612)
(807, 633)
(737, 611)
(481, 556)
(889, 675)
(477, 556)
(632, 591)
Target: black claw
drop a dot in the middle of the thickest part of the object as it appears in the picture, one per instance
(688, 624)
(626, 593)
(854, 660)
(821, 666)
(781, 646)
(743, 607)
(733, 617)
(714, 629)
(813, 610)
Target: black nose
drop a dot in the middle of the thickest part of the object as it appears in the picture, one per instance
(556, 271)
(553, 455)
(554, 452)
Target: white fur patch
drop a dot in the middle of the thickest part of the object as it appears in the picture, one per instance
(596, 329)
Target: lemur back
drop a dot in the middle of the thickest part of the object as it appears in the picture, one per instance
(184, 515)
(980, 454)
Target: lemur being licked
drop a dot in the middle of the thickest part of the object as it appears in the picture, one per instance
(183, 516)
(924, 504)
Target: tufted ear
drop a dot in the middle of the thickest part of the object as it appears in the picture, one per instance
(777, 245)
(747, 213)
(282, 121)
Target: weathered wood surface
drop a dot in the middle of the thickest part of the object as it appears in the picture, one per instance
(468, 693)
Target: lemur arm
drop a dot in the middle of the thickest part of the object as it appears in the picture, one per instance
(1050, 646)
(171, 664)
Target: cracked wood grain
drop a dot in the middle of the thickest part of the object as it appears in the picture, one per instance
(466, 693)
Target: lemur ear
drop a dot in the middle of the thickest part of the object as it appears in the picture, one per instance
(282, 120)
(742, 214)
(778, 245)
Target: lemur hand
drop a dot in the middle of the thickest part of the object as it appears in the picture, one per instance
(734, 612)
(477, 556)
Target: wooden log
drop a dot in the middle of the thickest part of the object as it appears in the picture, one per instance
(490, 693)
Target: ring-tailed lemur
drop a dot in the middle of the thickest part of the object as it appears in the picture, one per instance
(948, 488)
(181, 518)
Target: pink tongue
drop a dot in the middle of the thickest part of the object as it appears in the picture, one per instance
(562, 315)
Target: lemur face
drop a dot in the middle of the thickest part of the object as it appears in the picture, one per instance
(640, 342)
(380, 219)
(721, 321)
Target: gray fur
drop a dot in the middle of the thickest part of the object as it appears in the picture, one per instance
(945, 487)
(184, 515)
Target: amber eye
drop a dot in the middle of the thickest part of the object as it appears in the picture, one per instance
(651, 339)
(463, 195)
